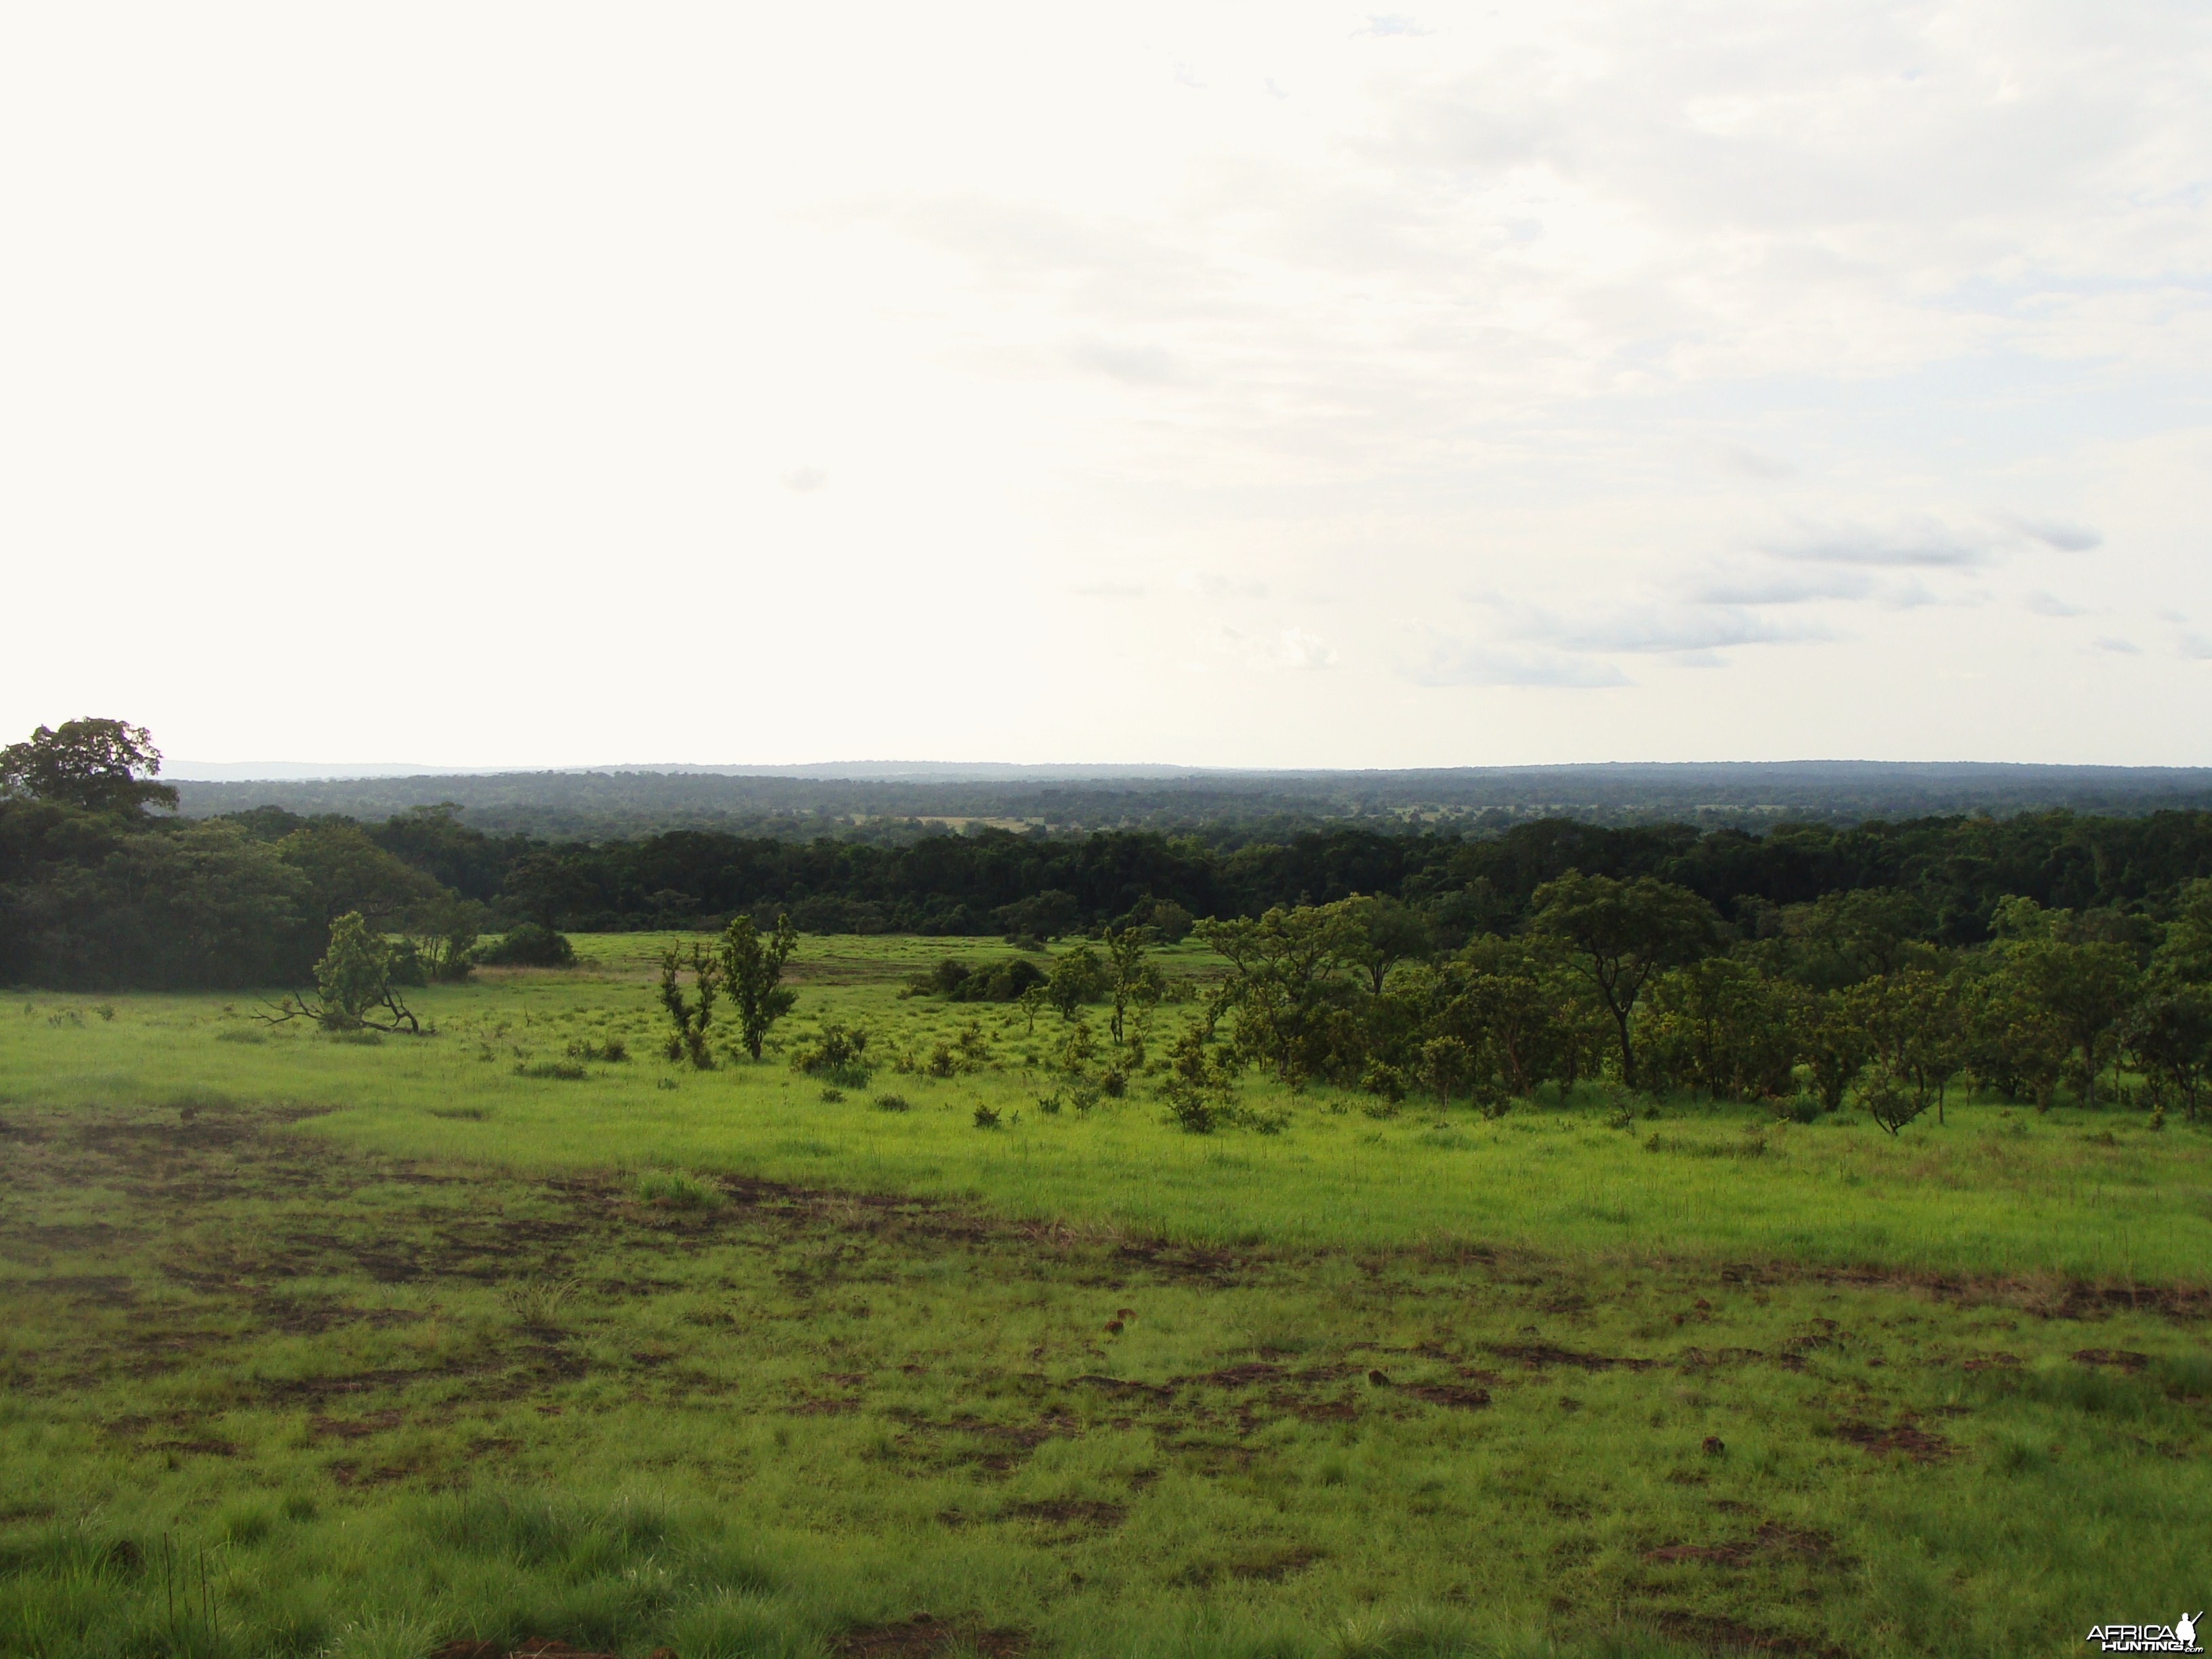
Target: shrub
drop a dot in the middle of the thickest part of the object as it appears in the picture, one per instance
(1384, 1079)
(987, 1117)
(530, 945)
(1114, 1083)
(832, 1095)
(891, 1103)
(839, 1056)
(1049, 1104)
(611, 1049)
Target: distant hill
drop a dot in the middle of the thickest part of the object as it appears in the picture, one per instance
(874, 799)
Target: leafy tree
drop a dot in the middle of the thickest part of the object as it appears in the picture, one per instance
(1284, 976)
(1078, 977)
(690, 1015)
(443, 935)
(2185, 955)
(1620, 934)
(1832, 1043)
(2013, 1044)
(1719, 1025)
(350, 874)
(2171, 1035)
(1131, 982)
(1915, 1033)
(99, 765)
(1200, 1085)
(354, 980)
(2086, 990)
(752, 968)
(1042, 915)
(1387, 932)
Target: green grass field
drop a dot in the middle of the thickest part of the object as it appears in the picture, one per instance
(363, 1348)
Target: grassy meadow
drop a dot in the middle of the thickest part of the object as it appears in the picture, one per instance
(367, 1348)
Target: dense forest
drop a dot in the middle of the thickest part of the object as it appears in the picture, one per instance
(101, 885)
(889, 803)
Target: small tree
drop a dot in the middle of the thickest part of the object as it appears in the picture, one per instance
(689, 1016)
(1201, 1085)
(1131, 982)
(751, 967)
(1078, 977)
(354, 979)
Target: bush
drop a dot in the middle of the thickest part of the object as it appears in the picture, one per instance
(839, 1056)
(987, 1117)
(530, 946)
(891, 1103)
(611, 1049)
(955, 982)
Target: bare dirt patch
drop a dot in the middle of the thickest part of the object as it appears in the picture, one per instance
(1537, 1356)
(1915, 1443)
(923, 1637)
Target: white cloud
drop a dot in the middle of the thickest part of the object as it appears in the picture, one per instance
(1917, 542)
(1296, 648)
(805, 480)
(2050, 604)
(1462, 662)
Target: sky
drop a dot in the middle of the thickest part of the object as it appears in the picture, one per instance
(1270, 384)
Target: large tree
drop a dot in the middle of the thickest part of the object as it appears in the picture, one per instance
(101, 765)
(1619, 933)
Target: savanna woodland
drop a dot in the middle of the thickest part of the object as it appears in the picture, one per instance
(1540, 1238)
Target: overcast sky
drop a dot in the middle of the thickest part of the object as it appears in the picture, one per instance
(1246, 385)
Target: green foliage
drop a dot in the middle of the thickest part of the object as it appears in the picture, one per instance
(1200, 1085)
(1011, 981)
(87, 901)
(838, 1054)
(93, 764)
(690, 1015)
(355, 980)
(1285, 981)
(530, 944)
(1620, 934)
(751, 969)
(1078, 977)
(678, 1189)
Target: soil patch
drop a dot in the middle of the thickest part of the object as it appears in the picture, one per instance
(1538, 1355)
(1915, 1443)
(1071, 1512)
(1716, 1633)
(922, 1637)
(2121, 1359)
(1773, 1541)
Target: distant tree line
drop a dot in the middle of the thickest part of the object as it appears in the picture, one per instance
(99, 886)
